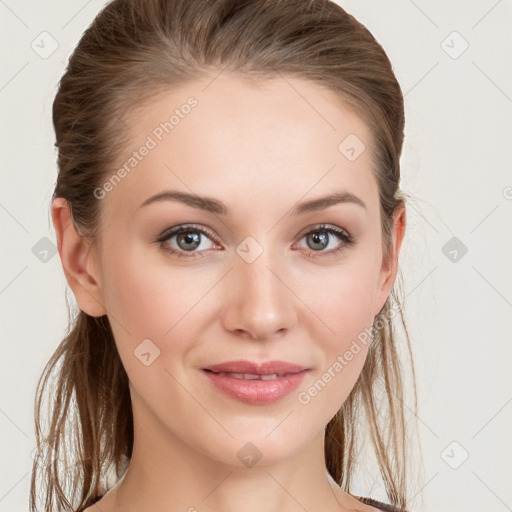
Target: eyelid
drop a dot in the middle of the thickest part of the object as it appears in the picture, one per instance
(184, 227)
(323, 227)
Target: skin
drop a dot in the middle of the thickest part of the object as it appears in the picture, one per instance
(260, 150)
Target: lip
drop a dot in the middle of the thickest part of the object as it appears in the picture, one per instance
(265, 368)
(256, 391)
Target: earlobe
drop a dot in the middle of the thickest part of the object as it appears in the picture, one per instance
(389, 268)
(77, 261)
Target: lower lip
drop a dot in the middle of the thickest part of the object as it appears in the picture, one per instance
(256, 392)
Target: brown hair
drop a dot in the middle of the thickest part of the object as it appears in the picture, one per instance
(133, 50)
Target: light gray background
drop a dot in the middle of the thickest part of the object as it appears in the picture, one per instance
(456, 165)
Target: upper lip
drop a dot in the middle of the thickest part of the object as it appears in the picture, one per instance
(265, 368)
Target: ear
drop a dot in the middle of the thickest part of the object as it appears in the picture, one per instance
(78, 261)
(389, 267)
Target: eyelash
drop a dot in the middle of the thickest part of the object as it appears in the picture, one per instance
(347, 239)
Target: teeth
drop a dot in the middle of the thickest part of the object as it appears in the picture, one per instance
(252, 376)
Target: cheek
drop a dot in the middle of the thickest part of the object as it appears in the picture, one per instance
(149, 300)
(344, 303)
(146, 295)
(345, 307)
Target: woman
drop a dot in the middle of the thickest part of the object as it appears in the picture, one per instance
(229, 219)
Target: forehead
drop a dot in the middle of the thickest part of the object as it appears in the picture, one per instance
(277, 140)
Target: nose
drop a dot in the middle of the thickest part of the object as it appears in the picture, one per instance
(258, 301)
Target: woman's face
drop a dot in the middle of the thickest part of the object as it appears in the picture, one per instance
(264, 282)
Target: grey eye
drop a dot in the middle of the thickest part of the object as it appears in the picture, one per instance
(189, 240)
(319, 240)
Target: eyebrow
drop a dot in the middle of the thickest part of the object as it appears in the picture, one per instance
(218, 207)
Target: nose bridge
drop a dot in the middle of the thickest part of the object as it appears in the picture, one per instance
(260, 303)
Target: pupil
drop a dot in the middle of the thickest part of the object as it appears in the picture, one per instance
(320, 238)
(190, 238)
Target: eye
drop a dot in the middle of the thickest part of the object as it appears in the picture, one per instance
(319, 239)
(188, 239)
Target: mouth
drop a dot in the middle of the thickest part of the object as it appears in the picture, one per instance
(253, 370)
(251, 376)
(253, 383)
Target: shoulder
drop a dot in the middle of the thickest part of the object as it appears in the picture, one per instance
(378, 504)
